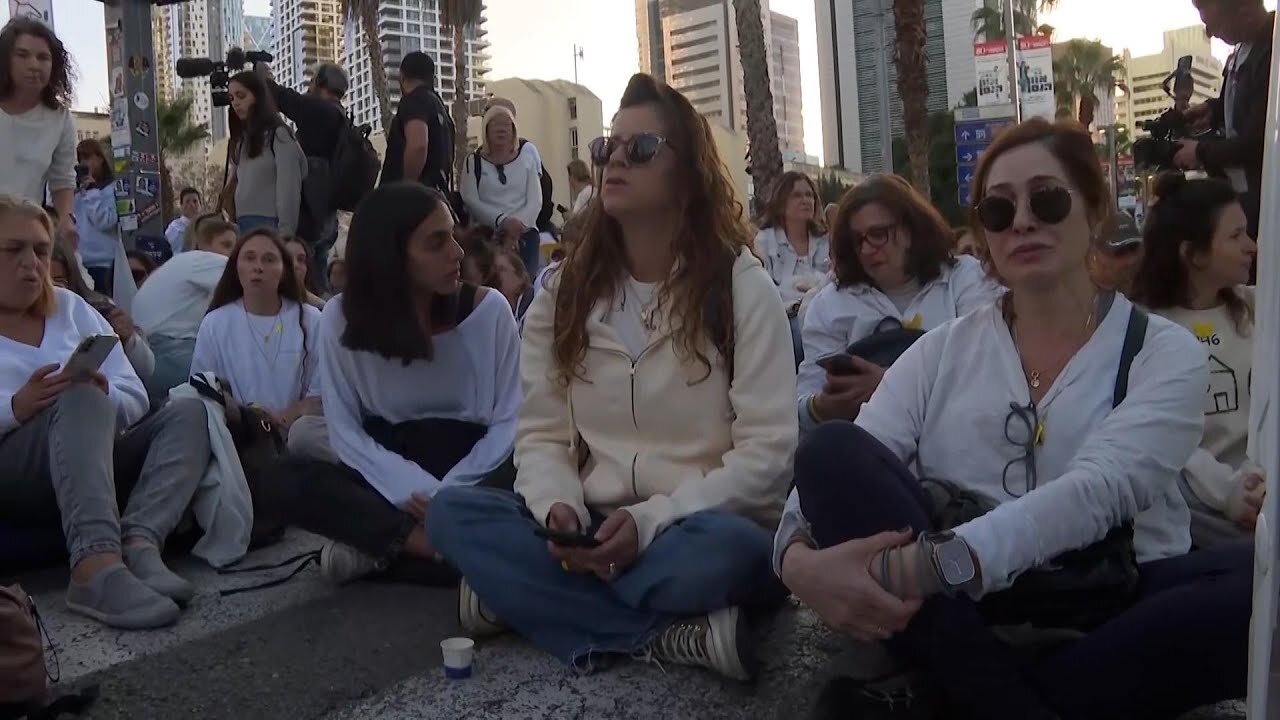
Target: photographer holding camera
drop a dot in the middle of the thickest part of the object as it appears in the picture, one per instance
(1239, 114)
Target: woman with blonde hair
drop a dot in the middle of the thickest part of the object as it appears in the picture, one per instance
(793, 245)
(501, 185)
(655, 441)
(72, 441)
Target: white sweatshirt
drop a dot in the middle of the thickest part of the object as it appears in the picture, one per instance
(72, 321)
(37, 148)
(260, 358)
(174, 299)
(491, 199)
(474, 376)
(945, 403)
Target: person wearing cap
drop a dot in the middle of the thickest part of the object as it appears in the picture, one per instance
(502, 184)
(420, 141)
(1115, 255)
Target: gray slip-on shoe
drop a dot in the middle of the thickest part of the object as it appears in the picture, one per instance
(145, 563)
(115, 597)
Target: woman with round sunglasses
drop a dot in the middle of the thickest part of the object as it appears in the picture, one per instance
(1195, 271)
(892, 262)
(1027, 408)
(656, 436)
(793, 245)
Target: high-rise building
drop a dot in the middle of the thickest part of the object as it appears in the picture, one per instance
(306, 33)
(784, 78)
(162, 48)
(188, 27)
(406, 26)
(850, 36)
(693, 46)
(257, 33)
(1145, 73)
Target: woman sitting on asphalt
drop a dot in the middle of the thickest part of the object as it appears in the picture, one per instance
(421, 386)
(73, 445)
(1063, 412)
(793, 245)
(1194, 271)
(892, 255)
(656, 439)
(259, 335)
(62, 271)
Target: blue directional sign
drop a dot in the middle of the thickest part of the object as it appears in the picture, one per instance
(975, 130)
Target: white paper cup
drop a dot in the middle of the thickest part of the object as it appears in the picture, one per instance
(457, 652)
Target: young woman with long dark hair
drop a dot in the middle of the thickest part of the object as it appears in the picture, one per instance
(267, 163)
(1194, 270)
(420, 383)
(657, 432)
(260, 334)
(300, 255)
(96, 219)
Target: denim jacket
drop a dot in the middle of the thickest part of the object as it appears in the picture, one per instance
(780, 260)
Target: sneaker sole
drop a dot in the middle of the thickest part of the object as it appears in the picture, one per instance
(472, 619)
(327, 571)
(120, 623)
(732, 646)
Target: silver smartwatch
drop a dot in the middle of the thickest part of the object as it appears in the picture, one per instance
(952, 561)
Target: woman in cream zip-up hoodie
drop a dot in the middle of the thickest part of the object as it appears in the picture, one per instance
(657, 422)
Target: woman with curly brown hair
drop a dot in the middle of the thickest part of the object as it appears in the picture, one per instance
(655, 441)
(793, 245)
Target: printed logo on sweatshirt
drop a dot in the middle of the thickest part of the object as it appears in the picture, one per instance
(1205, 332)
(1223, 395)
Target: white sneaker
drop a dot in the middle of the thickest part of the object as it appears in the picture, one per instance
(719, 641)
(341, 564)
(473, 616)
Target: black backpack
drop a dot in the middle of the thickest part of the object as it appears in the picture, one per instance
(544, 177)
(353, 167)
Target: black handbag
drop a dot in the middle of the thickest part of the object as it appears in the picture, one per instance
(886, 343)
(1077, 590)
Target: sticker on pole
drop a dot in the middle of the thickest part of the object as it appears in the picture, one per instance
(141, 101)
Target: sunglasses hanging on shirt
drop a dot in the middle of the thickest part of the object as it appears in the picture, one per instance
(639, 149)
(1049, 205)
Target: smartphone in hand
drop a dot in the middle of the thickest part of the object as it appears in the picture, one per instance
(838, 363)
(90, 355)
(567, 539)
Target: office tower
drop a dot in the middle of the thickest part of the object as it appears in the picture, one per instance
(162, 47)
(188, 27)
(306, 33)
(1145, 73)
(257, 33)
(784, 79)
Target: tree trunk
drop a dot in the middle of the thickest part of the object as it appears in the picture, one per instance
(377, 65)
(166, 192)
(1086, 111)
(762, 127)
(460, 102)
(913, 87)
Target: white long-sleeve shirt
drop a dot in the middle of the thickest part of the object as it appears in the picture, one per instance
(265, 360)
(174, 299)
(945, 403)
(72, 320)
(474, 376)
(37, 147)
(838, 317)
(520, 196)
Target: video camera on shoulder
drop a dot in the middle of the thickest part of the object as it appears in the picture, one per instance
(219, 71)
(1157, 151)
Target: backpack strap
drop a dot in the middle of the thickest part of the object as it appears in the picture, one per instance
(1134, 337)
(476, 167)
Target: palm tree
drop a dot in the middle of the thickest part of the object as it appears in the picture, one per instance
(1084, 69)
(913, 86)
(988, 20)
(366, 13)
(762, 126)
(177, 135)
(461, 16)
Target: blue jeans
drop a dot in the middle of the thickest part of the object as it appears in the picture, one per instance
(531, 251)
(709, 561)
(253, 222)
(173, 366)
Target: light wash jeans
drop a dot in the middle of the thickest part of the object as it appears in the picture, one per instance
(173, 366)
(709, 561)
(69, 463)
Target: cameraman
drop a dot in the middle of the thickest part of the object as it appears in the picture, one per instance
(1240, 113)
(320, 118)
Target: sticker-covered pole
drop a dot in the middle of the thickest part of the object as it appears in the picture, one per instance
(135, 138)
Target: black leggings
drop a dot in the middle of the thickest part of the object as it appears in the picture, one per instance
(1183, 643)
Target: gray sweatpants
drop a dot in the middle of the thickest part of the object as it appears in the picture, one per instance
(69, 463)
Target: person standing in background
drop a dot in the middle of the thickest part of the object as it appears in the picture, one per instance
(37, 135)
(420, 141)
(269, 165)
(581, 188)
(189, 202)
(95, 212)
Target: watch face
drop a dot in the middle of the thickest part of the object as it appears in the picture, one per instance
(955, 563)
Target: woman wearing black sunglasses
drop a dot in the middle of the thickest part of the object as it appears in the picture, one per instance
(1064, 416)
(891, 253)
(656, 434)
(1195, 271)
(502, 184)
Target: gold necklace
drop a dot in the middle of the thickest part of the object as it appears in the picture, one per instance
(1033, 375)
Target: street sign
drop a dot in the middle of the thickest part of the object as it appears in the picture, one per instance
(976, 128)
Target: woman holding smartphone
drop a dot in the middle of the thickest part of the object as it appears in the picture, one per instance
(136, 348)
(72, 443)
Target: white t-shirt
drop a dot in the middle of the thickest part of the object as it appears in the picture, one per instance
(174, 299)
(265, 360)
(474, 376)
(72, 320)
(174, 233)
(37, 147)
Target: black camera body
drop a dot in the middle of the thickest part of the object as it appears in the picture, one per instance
(219, 71)
(1157, 151)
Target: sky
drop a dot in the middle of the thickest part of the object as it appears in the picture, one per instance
(536, 40)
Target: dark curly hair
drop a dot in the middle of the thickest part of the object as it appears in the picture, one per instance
(57, 94)
(931, 237)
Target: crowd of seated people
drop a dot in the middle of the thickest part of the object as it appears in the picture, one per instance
(627, 439)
